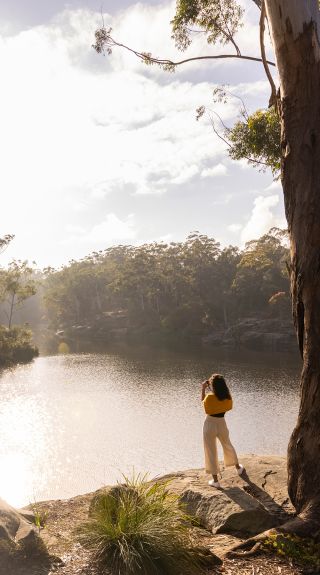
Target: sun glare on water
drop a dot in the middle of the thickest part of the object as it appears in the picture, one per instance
(23, 447)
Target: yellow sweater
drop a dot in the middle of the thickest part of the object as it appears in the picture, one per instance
(213, 405)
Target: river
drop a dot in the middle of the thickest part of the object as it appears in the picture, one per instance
(71, 423)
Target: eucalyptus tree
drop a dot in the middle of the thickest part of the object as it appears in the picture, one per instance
(261, 272)
(295, 32)
(17, 284)
(188, 288)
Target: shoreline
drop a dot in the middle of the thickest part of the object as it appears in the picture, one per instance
(226, 517)
(245, 506)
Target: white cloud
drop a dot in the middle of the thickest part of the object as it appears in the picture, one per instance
(78, 129)
(262, 218)
(223, 200)
(111, 229)
(234, 228)
(218, 170)
(188, 173)
(99, 190)
(274, 186)
(75, 127)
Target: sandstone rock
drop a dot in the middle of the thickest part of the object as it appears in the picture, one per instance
(19, 541)
(256, 333)
(245, 505)
(14, 526)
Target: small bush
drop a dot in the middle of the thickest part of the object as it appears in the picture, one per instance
(40, 517)
(16, 345)
(306, 552)
(140, 528)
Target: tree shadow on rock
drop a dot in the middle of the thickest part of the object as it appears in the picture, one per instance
(253, 518)
(268, 502)
(260, 511)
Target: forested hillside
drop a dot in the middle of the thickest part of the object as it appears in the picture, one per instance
(187, 290)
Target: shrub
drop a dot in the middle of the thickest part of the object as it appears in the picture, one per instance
(304, 551)
(140, 528)
(16, 345)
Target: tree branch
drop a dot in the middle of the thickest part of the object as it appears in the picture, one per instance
(250, 160)
(104, 40)
(273, 97)
(230, 37)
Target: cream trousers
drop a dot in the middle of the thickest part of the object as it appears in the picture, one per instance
(216, 428)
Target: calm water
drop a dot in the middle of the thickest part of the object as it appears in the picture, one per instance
(69, 424)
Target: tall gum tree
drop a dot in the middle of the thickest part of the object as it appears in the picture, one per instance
(295, 30)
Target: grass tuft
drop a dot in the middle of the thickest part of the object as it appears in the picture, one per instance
(140, 528)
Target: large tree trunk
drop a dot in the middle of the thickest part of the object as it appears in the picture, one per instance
(295, 27)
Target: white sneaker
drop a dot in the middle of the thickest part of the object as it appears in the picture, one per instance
(214, 483)
(240, 470)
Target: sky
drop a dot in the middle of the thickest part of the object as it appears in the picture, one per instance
(102, 150)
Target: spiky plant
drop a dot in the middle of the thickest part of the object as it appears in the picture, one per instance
(139, 527)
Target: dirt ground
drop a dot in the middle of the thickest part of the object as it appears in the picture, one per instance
(78, 563)
(63, 517)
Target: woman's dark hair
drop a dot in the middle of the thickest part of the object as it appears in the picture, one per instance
(219, 387)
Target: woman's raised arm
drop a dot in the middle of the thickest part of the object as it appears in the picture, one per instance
(204, 385)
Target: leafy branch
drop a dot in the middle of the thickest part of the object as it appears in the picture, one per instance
(105, 43)
(254, 137)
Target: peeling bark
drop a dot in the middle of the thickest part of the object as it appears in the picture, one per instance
(295, 26)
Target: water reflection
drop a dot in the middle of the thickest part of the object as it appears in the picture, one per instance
(69, 424)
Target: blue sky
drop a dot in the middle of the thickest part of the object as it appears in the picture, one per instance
(100, 150)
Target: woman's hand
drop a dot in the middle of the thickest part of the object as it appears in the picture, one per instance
(204, 386)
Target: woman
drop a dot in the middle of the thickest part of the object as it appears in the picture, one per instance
(215, 404)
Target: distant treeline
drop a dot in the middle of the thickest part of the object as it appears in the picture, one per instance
(183, 290)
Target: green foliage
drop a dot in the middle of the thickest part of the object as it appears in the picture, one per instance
(40, 516)
(303, 551)
(139, 528)
(262, 272)
(256, 138)
(16, 285)
(218, 19)
(180, 290)
(16, 345)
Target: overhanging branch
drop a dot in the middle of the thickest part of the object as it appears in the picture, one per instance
(104, 41)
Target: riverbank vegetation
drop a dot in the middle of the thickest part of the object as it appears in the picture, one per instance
(17, 284)
(16, 345)
(186, 291)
